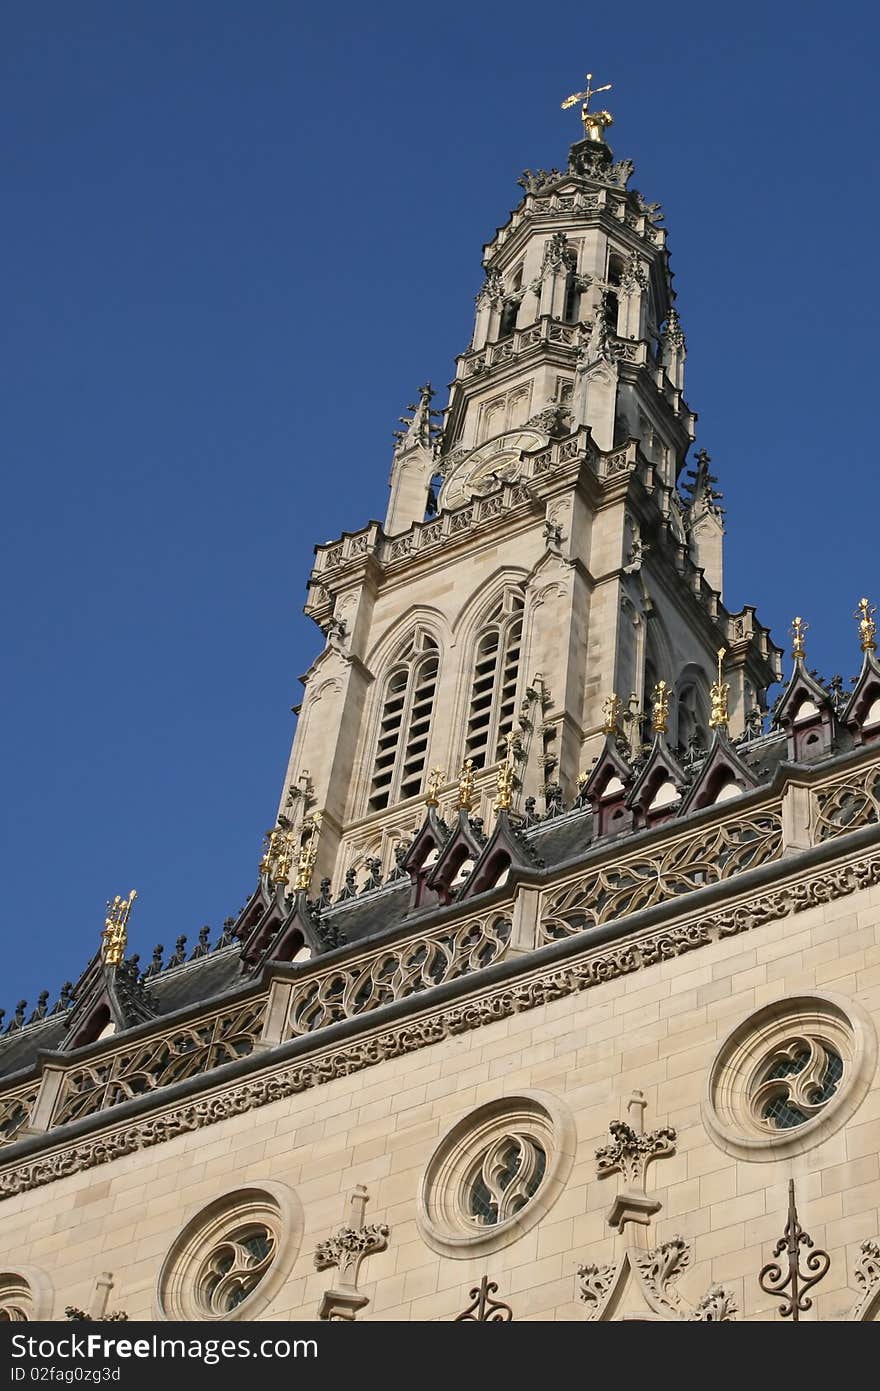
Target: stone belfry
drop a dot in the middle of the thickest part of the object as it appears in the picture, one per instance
(544, 545)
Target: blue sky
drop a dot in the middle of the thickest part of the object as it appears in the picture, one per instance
(236, 239)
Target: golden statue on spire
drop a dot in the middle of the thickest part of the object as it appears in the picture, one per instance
(308, 853)
(718, 693)
(114, 937)
(611, 714)
(504, 782)
(660, 722)
(432, 791)
(798, 630)
(466, 786)
(867, 625)
(595, 122)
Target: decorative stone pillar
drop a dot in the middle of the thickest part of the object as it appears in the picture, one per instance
(346, 1250)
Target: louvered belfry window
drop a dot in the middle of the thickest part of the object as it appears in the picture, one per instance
(405, 724)
(496, 671)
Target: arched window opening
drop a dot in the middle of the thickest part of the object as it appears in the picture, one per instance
(509, 313)
(612, 296)
(496, 673)
(572, 311)
(691, 721)
(405, 724)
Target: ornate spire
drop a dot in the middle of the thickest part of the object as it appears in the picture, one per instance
(595, 122)
(115, 934)
(700, 487)
(504, 784)
(466, 786)
(673, 333)
(718, 693)
(435, 778)
(421, 428)
(660, 722)
(867, 625)
(611, 715)
(798, 629)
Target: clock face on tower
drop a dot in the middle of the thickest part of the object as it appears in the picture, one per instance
(473, 475)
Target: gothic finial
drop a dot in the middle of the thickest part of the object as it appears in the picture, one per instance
(420, 428)
(466, 786)
(595, 122)
(504, 783)
(308, 853)
(798, 629)
(115, 934)
(611, 714)
(718, 693)
(435, 778)
(660, 698)
(867, 625)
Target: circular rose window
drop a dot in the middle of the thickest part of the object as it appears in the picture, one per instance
(789, 1075)
(232, 1257)
(495, 1174)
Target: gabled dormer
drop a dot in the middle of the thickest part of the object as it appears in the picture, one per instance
(505, 852)
(862, 712)
(722, 776)
(109, 998)
(453, 865)
(658, 790)
(606, 789)
(805, 710)
(259, 920)
(423, 854)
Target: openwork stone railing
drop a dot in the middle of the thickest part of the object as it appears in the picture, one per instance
(399, 971)
(636, 882)
(847, 803)
(15, 1111)
(155, 1062)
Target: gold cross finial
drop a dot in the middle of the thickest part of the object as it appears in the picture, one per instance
(466, 785)
(718, 693)
(611, 714)
(595, 122)
(798, 629)
(504, 782)
(661, 708)
(432, 798)
(867, 625)
(308, 853)
(114, 937)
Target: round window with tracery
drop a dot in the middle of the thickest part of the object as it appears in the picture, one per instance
(232, 1257)
(789, 1075)
(495, 1174)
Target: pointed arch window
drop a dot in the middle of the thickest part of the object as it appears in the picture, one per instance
(496, 674)
(405, 724)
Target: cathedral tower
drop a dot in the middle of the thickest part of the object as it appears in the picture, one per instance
(538, 552)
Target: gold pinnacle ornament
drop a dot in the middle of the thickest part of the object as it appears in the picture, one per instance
(466, 786)
(271, 851)
(798, 631)
(867, 625)
(611, 714)
(660, 722)
(504, 782)
(114, 937)
(595, 122)
(432, 792)
(718, 693)
(308, 853)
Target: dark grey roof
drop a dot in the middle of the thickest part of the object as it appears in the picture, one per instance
(368, 914)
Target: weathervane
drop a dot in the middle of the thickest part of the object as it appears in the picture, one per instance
(798, 631)
(595, 122)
